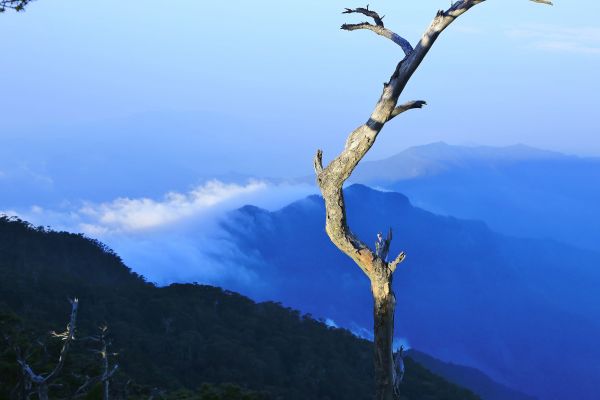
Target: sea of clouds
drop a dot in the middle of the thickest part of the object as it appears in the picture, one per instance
(175, 238)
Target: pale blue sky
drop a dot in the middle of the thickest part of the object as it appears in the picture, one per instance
(283, 79)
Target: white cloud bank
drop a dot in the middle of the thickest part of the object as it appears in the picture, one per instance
(176, 238)
(131, 215)
(582, 40)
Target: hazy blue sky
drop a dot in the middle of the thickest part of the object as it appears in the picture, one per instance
(116, 115)
(283, 79)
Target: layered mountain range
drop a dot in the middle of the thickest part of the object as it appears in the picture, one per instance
(517, 190)
(525, 311)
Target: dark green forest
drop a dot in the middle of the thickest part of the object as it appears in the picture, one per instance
(184, 341)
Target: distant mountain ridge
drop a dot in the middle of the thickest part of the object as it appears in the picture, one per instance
(472, 378)
(465, 293)
(518, 190)
(435, 158)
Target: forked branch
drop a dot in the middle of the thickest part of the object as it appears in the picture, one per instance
(365, 11)
(318, 162)
(332, 177)
(411, 105)
(42, 382)
(394, 264)
(378, 28)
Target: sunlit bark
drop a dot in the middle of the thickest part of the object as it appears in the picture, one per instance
(332, 177)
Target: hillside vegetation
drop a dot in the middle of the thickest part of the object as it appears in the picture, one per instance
(181, 342)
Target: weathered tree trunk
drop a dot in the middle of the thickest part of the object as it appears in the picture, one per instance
(384, 305)
(105, 376)
(331, 180)
(107, 372)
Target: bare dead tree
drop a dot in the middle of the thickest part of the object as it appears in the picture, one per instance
(41, 382)
(107, 370)
(331, 180)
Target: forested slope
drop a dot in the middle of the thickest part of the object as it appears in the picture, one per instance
(174, 338)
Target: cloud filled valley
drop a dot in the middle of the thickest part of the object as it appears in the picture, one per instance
(176, 238)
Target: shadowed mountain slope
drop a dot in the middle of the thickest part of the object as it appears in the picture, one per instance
(525, 311)
(472, 378)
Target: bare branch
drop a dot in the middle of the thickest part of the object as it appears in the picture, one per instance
(68, 338)
(111, 372)
(407, 106)
(398, 370)
(365, 11)
(394, 264)
(82, 390)
(378, 28)
(382, 246)
(35, 378)
(332, 178)
(318, 162)
(44, 382)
